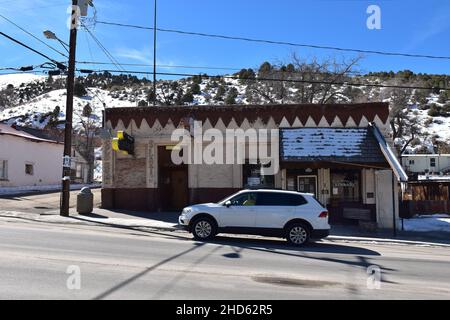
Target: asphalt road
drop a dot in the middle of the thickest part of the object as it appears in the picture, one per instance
(41, 203)
(128, 264)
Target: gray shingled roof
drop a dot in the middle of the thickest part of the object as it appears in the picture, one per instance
(357, 145)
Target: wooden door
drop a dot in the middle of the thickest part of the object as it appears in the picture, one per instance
(179, 189)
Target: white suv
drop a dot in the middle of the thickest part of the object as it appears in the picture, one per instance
(295, 216)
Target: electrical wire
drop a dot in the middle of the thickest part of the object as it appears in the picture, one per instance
(58, 64)
(33, 36)
(161, 66)
(102, 47)
(292, 44)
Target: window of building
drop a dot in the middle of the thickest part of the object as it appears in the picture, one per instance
(345, 185)
(3, 169)
(307, 184)
(411, 162)
(29, 169)
(253, 177)
(433, 162)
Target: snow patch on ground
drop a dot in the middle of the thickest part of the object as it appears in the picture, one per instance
(423, 223)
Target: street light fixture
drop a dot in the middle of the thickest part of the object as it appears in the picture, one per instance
(52, 36)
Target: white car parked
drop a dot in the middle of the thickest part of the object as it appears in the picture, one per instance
(295, 216)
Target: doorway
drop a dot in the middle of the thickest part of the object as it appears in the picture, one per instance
(173, 182)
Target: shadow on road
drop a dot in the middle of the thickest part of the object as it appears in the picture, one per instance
(271, 245)
(146, 271)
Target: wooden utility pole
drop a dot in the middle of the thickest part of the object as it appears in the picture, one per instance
(65, 193)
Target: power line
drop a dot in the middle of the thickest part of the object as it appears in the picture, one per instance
(161, 66)
(181, 66)
(102, 47)
(292, 44)
(58, 64)
(341, 83)
(32, 35)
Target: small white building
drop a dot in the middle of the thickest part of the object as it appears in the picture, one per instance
(27, 160)
(426, 163)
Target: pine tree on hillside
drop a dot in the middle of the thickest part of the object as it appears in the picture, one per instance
(265, 68)
(79, 90)
(231, 96)
(87, 110)
(188, 97)
(220, 93)
(195, 88)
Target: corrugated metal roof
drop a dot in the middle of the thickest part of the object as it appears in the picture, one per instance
(357, 145)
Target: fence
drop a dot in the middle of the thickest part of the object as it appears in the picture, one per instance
(424, 207)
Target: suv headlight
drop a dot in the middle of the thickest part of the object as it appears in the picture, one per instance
(187, 210)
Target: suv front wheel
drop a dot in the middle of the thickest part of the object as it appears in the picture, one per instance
(203, 229)
(297, 234)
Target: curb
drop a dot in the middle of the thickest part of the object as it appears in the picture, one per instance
(80, 221)
(387, 241)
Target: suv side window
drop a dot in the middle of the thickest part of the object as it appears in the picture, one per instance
(279, 199)
(246, 199)
(297, 200)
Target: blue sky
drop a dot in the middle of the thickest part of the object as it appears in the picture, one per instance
(421, 27)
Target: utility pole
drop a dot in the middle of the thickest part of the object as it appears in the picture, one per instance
(154, 59)
(65, 195)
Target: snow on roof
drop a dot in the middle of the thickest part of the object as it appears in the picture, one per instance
(352, 145)
(8, 130)
(330, 144)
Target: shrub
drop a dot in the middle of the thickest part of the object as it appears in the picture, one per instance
(79, 90)
(231, 96)
(220, 93)
(188, 97)
(435, 111)
(195, 88)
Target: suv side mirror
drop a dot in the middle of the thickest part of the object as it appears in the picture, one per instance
(228, 204)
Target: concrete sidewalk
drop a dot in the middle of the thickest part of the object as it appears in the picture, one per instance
(159, 221)
(168, 221)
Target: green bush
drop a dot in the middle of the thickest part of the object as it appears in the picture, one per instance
(195, 88)
(188, 97)
(435, 111)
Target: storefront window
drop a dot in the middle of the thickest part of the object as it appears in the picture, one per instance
(253, 177)
(307, 184)
(346, 185)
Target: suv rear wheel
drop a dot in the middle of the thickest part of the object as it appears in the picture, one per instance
(203, 229)
(297, 234)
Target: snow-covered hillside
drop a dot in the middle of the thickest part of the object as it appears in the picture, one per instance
(32, 100)
(17, 79)
(35, 113)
